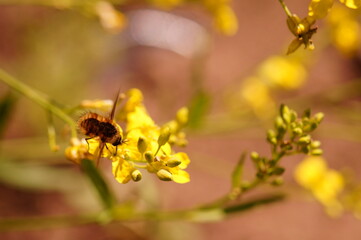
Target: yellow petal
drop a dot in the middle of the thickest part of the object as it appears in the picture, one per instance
(354, 4)
(180, 176)
(122, 170)
(319, 8)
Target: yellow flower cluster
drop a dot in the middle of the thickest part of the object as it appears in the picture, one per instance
(325, 184)
(274, 73)
(145, 145)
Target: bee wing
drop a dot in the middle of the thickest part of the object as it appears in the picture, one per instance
(111, 116)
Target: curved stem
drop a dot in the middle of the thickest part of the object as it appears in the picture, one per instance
(38, 98)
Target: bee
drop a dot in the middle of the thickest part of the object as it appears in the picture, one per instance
(95, 125)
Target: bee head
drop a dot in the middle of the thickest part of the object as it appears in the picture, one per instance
(117, 141)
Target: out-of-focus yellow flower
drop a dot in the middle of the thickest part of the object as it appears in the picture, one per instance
(77, 150)
(283, 72)
(145, 145)
(99, 104)
(111, 19)
(257, 95)
(319, 8)
(324, 183)
(225, 19)
(345, 29)
(354, 4)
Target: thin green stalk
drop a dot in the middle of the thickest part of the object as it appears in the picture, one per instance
(38, 98)
(288, 12)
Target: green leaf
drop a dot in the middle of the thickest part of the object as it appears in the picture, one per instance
(198, 108)
(100, 185)
(238, 172)
(6, 106)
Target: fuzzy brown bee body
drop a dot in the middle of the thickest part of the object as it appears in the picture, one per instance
(108, 131)
(95, 125)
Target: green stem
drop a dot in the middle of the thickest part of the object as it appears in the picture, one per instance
(38, 98)
(198, 215)
(288, 12)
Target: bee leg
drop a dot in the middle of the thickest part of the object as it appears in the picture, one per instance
(107, 147)
(101, 147)
(86, 139)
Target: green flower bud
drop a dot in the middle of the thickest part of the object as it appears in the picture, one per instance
(271, 137)
(245, 185)
(280, 125)
(173, 162)
(319, 117)
(164, 136)
(142, 145)
(149, 156)
(136, 175)
(315, 144)
(277, 182)
(278, 171)
(285, 113)
(305, 139)
(293, 115)
(164, 175)
(316, 152)
(254, 156)
(297, 131)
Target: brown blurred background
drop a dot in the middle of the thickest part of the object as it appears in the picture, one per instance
(70, 57)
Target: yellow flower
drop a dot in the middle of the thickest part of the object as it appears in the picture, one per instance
(225, 20)
(171, 167)
(283, 71)
(345, 30)
(325, 184)
(111, 19)
(145, 145)
(257, 95)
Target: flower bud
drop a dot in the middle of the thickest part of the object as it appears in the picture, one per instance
(182, 116)
(149, 156)
(286, 114)
(142, 145)
(173, 162)
(305, 139)
(319, 117)
(316, 152)
(315, 144)
(136, 175)
(164, 175)
(164, 136)
(254, 156)
(297, 131)
(280, 126)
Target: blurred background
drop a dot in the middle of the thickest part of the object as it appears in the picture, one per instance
(176, 57)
